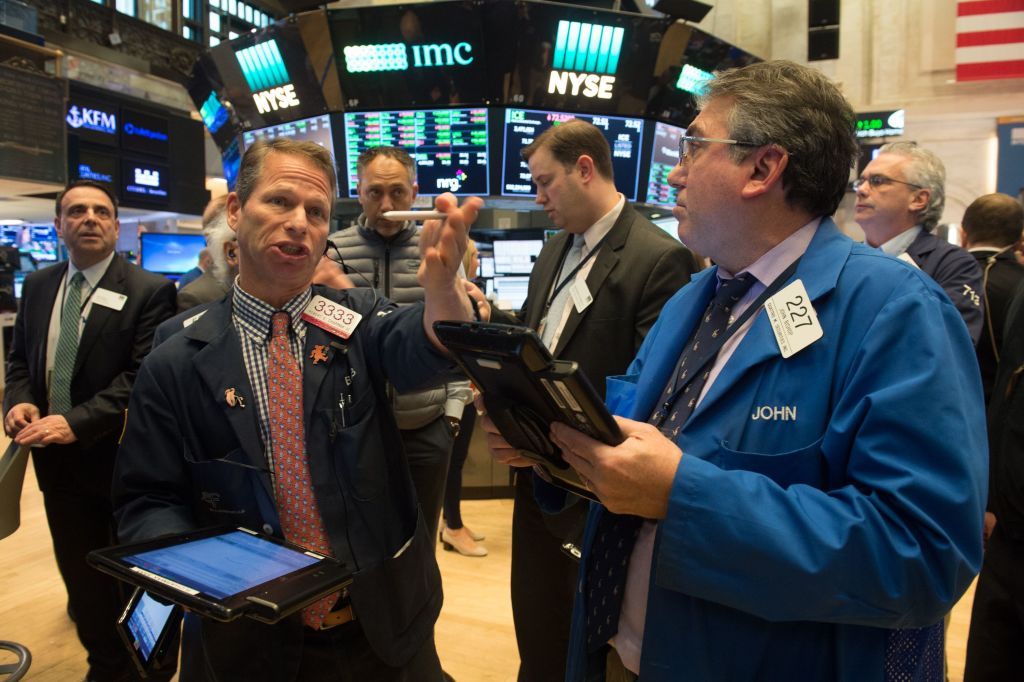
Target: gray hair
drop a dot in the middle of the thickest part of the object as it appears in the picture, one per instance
(926, 171)
(800, 110)
(218, 233)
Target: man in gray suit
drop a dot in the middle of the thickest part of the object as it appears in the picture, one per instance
(222, 246)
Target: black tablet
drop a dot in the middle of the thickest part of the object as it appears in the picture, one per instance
(225, 573)
(525, 389)
(148, 628)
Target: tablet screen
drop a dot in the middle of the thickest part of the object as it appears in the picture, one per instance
(147, 622)
(222, 565)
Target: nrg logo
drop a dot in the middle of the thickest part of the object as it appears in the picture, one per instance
(453, 184)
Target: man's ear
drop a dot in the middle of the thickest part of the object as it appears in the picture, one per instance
(919, 200)
(585, 167)
(767, 166)
(233, 210)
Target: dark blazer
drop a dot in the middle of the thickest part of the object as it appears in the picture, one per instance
(203, 289)
(1006, 429)
(1001, 275)
(955, 271)
(190, 460)
(111, 348)
(637, 269)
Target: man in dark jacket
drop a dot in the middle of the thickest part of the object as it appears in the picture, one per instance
(992, 227)
(900, 197)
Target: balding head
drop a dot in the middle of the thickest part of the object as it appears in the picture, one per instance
(995, 220)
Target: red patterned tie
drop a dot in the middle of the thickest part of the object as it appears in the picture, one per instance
(300, 517)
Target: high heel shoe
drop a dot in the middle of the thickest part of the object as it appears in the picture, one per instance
(462, 543)
(479, 537)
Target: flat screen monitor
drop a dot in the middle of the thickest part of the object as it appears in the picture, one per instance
(143, 182)
(522, 126)
(449, 146)
(170, 253)
(231, 160)
(664, 157)
(39, 242)
(316, 129)
(516, 256)
(427, 54)
(510, 291)
(487, 266)
(144, 133)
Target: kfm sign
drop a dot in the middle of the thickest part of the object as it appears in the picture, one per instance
(395, 56)
(585, 59)
(264, 71)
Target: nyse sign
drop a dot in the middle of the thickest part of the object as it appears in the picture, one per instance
(585, 59)
(282, 97)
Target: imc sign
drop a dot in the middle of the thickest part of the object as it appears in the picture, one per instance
(395, 56)
(264, 71)
(585, 59)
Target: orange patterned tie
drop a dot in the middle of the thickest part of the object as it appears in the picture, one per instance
(300, 517)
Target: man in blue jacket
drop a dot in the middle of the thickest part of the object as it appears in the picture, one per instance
(799, 495)
(270, 411)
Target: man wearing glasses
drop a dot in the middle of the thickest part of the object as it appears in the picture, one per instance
(800, 490)
(900, 197)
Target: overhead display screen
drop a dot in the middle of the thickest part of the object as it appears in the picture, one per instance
(577, 59)
(664, 157)
(267, 76)
(522, 126)
(448, 145)
(316, 129)
(144, 182)
(92, 121)
(687, 61)
(429, 54)
(143, 133)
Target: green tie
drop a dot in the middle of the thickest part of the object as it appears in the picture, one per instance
(67, 348)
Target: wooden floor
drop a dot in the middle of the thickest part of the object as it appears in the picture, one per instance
(474, 635)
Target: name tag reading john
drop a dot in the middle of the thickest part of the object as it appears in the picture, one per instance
(793, 319)
(109, 299)
(331, 317)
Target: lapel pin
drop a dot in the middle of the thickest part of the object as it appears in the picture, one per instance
(318, 354)
(233, 399)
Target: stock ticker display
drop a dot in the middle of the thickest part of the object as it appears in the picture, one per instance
(448, 145)
(522, 126)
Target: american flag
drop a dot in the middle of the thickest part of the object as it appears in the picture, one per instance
(989, 39)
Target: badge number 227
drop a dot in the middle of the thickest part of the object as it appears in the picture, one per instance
(793, 319)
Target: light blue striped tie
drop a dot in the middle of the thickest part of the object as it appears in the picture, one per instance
(67, 348)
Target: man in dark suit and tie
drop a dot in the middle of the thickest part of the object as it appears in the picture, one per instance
(80, 336)
(271, 411)
(595, 290)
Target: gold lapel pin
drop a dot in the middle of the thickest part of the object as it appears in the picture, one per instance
(233, 399)
(318, 354)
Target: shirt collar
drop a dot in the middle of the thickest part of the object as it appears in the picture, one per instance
(94, 273)
(773, 263)
(596, 232)
(255, 314)
(899, 244)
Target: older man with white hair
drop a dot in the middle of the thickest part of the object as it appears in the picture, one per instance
(900, 197)
(215, 282)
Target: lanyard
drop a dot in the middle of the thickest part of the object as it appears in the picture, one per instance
(712, 349)
(572, 275)
(64, 295)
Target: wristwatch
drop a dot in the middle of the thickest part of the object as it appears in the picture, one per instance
(454, 424)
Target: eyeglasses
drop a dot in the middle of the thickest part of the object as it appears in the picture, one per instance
(686, 145)
(878, 180)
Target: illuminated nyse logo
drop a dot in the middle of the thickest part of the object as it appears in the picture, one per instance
(92, 119)
(214, 113)
(586, 57)
(263, 68)
(395, 56)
